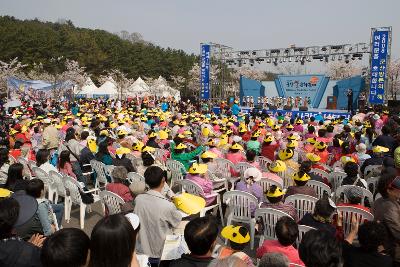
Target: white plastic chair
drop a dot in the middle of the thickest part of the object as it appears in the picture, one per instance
(372, 171)
(12, 159)
(348, 212)
(47, 180)
(263, 161)
(218, 182)
(302, 203)
(241, 167)
(266, 183)
(319, 188)
(177, 170)
(25, 162)
(135, 160)
(101, 177)
(111, 201)
(159, 154)
(269, 218)
(366, 194)
(303, 229)
(372, 183)
(321, 173)
(134, 176)
(108, 170)
(75, 198)
(337, 164)
(240, 204)
(31, 164)
(287, 176)
(224, 168)
(59, 186)
(336, 179)
(193, 188)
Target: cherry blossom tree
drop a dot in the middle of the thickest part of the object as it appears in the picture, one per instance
(393, 75)
(9, 69)
(339, 70)
(119, 79)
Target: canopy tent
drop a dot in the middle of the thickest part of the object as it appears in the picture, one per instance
(86, 90)
(138, 88)
(107, 89)
(162, 89)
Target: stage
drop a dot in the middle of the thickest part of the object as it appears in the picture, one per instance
(313, 112)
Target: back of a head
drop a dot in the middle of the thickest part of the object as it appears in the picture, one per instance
(371, 235)
(9, 210)
(67, 247)
(323, 208)
(351, 169)
(231, 261)
(321, 132)
(147, 159)
(250, 155)
(112, 242)
(274, 260)
(153, 176)
(384, 182)
(306, 166)
(286, 230)
(320, 248)
(34, 188)
(200, 235)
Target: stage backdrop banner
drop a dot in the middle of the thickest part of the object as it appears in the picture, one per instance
(312, 86)
(379, 51)
(205, 72)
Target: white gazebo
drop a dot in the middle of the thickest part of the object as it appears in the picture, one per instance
(138, 88)
(107, 89)
(162, 89)
(87, 89)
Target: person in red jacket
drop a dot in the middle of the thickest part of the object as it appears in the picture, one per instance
(269, 147)
(322, 152)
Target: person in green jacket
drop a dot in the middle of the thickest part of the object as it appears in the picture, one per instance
(178, 153)
(254, 144)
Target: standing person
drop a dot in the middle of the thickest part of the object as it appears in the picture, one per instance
(349, 95)
(157, 213)
(50, 137)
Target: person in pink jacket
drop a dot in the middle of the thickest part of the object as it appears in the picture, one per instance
(197, 174)
(235, 155)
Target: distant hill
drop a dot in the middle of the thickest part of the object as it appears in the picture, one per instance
(98, 50)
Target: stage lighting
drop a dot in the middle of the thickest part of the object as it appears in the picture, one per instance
(333, 58)
(340, 57)
(296, 59)
(268, 60)
(280, 60)
(326, 59)
(254, 53)
(290, 59)
(284, 59)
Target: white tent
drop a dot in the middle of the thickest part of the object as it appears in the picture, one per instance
(162, 89)
(107, 89)
(87, 89)
(138, 88)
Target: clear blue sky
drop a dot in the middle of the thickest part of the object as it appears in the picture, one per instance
(242, 24)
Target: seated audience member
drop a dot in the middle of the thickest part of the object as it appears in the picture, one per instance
(306, 166)
(362, 153)
(376, 159)
(322, 217)
(277, 166)
(200, 236)
(231, 261)
(235, 155)
(43, 161)
(275, 200)
(15, 179)
(67, 247)
(103, 154)
(120, 184)
(388, 163)
(64, 164)
(371, 236)
(16, 151)
(238, 237)
(269, 147)
(35, 188)
(122, 160)
(16, 211)
(300, 179)
(352, 178)
(286, 230)
(113, 241)
(155, 209)
(387, 211)
(321, 150)
(286, 155)
(249, 185)
(354, 196)
(319, 248)
(251, 158)
(197, 174)
(274, 260)
(178, 153)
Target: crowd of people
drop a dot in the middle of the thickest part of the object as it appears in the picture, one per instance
(139, 137)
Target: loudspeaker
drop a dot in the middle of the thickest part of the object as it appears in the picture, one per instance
(287, 108)
(303, 108)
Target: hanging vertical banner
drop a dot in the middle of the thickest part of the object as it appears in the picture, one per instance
(379, 57)
(205, 72)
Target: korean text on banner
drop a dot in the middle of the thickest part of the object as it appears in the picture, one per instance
(205, 72)
(380, 39)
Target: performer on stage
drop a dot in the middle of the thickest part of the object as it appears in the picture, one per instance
(349, 95)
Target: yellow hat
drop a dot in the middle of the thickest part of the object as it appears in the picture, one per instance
(292, 136)
(303, 178)
(261, 124)
(208, 155)
(122, 150)
(181, 136)
(312, 140)
(345, 159)
(229, 132)
(269, 138)
(163, 135)
(148, 149)
(143, 118)
(242, 128)
(289, 126)
(58, 126)
(313, 157)
(4, 193)
(275, 127)
(104, 132)
(380, 149)
(187, 132)
(113, 125)
(152, 134)
(232, 233)
(13, 131)
(275, 191)
(137, 146)
(292, 144)
(237, 146)
(285, 154)
(256, 134)
(277, 166)
(91, 141)
(181, 146)
(211, 142)
(223, 139)
(122, 132)
(197, 168)
(299, 121)
(182, 123)
(205, 131)
(320, 145)
(188, 203)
